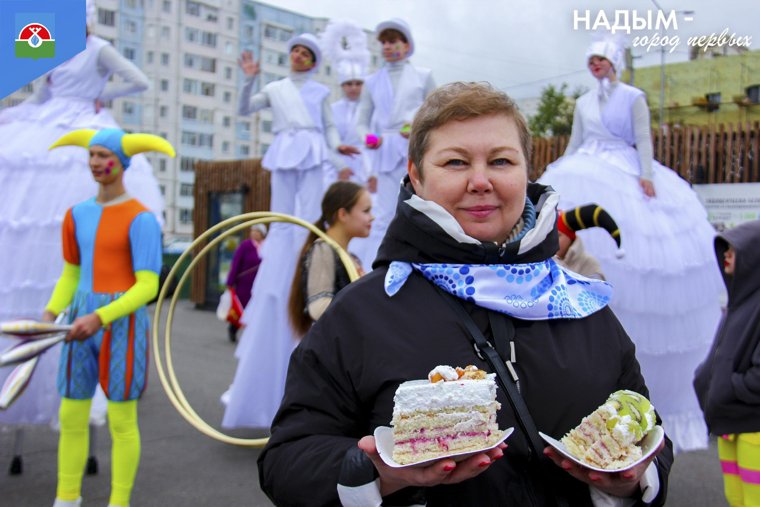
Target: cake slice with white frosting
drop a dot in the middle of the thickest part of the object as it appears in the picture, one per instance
(453, 411)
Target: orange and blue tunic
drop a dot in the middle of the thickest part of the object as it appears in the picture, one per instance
(110, 243)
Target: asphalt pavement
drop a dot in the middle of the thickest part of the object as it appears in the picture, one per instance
(181, 467)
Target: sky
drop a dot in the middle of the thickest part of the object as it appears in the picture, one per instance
(521, 46)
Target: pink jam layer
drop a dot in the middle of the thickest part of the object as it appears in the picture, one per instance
(443, 442)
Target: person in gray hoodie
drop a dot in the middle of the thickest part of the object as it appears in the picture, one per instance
(727, 383)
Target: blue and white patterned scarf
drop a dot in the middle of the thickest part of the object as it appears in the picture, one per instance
(533, 291)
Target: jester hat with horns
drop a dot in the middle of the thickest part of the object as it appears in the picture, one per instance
(123, 145)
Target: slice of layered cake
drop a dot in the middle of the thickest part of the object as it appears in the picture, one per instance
(454, 411)
(608, 437)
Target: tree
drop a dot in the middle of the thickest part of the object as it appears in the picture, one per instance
(555, 112)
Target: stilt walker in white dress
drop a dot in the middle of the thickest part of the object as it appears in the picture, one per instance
(305, 140)
(344, 45)
(389, 101)
(37, 186)
(667, 286)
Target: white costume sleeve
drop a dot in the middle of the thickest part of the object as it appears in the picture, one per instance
(249, 105)
(134, 81)
(643, 134)
(331, 131)
(576, 133)
(364, 115)
(429, 87)
(649, 484)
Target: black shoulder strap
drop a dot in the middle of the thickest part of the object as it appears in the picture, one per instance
(506, 379)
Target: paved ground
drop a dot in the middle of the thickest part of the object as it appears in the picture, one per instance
(182, 467)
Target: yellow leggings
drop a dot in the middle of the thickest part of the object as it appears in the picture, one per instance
(74, 445)
(740, 460)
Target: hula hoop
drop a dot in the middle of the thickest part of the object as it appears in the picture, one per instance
(168, 377)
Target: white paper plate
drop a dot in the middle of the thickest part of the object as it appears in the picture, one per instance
(384, 444)
(650, 444)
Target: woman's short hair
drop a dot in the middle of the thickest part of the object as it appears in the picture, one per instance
(461, 101)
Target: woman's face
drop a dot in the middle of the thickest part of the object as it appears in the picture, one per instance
(358, 220)
(476, 170)
(729, 261)
(600, 67)
(301, 59)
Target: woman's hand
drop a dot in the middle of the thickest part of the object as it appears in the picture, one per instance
(443, 471)
(347, 149)
(48, 316)
(345, 174)
(372, 184)
(250, 68)
(84, 327)
(622, 484)
(648, 187)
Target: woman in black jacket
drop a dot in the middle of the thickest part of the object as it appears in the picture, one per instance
(466, 216)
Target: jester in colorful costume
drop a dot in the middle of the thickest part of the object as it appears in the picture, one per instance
(112, 258)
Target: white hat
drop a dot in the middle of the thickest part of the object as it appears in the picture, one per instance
(91, 13)
(610, 47)
(401, 26)
(344, 43)
(309, 41)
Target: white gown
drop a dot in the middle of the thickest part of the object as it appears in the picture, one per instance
(37, 186)
(667, 287)
(296, 159)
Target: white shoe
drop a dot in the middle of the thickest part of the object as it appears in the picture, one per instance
(68, 503)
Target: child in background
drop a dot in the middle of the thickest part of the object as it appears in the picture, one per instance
(346, 214)
(727, 383)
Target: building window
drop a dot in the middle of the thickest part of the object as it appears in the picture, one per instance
(226, 121)
(162, 166)
(225, 147)
(191, 34)
(187, 164)
(266, 126)
(129, 53)
(163, 111)
(149, 57)
(130, 26)
(186, 189)
(230, 23)
(208, 39)
(228, 73)
(207, 89)
(193, 8)
(106, 17)
(165, 32)
(248, 32)
(227, 97)
(166, 6)
(245, 126)
(128, 108)
(185, 216)
(164, 58)
(189, 112)
(282, 59)
(162, 188)
(164, 85)
(245, 150)
(197, 139)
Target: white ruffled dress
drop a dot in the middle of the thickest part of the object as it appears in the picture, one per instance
(667, 286)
